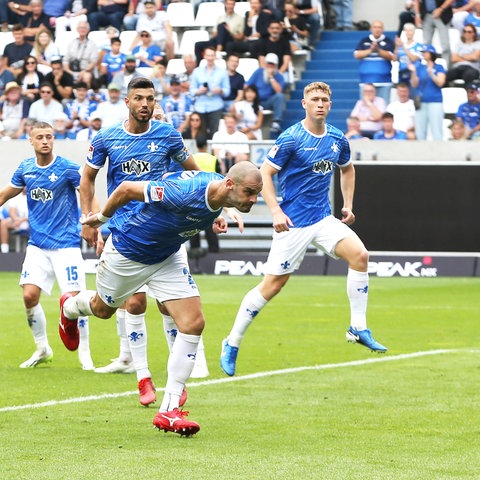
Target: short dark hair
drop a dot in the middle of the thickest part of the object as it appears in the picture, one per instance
(18, 27)
(115, 40)
(139, 82)
(201, 141)
(387, 115)
(46, 84)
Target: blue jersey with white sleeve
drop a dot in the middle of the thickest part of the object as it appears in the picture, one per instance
(144, 156)
(305, 164)
(175, 210)
(52, 201)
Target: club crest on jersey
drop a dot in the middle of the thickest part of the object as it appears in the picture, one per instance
(156, 193)
(41, 195)
(53, 177)
(335, 148)
(324, 166)
(152, 147)
(136, 167)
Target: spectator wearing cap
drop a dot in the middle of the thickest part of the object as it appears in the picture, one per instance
(388, 132)
(177, 106)
(76, 12)
(112, 61)
(5, 75)
(156, 23)
(79, 110)
(81, 57)
(16, 51)
(209, 84)
(428, 78)
(469, 112)
(146, 52)
(376, 53)
(108, 12)
(114, 109)
(129, 72)
(14, 110)
(46, 108)
(62, 81)
(270, 85)
(60, 128)
(135, 8)
(88, 133)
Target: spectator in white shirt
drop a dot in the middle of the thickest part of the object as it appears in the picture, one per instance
(403, 111)
(47, 108)
(114, 109)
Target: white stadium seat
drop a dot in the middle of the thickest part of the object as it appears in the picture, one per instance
(190, 38)
(181, 14)
(208, 13)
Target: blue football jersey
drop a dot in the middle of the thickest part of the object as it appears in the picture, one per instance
(52, 202)
(305, 164)
(176, 209)
(144, 156)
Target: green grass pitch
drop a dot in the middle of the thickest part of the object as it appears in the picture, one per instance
(357, 416)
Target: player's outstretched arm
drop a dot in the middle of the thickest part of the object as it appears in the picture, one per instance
(8, 192)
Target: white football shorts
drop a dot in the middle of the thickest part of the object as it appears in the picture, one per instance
(288, 248)
(41, 267)
(118, 278)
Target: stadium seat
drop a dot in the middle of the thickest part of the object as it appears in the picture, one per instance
(127, 37)
(190, 38)
(5, 39)
(208, 13)
(175, 66)
(453, 97)
(63, 40)
(241, 8)
(100, 38)
(246, 66)
(45, 69)
(145, 71)
(219, 62)
(417, 36)
(181, 15)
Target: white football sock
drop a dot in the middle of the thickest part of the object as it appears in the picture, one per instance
(357, 291)
(251, 305)
(84, 331)
(79, 305)
(179, 368)
(124, 355)
(38, 325)
(170, 329)
(136, 331)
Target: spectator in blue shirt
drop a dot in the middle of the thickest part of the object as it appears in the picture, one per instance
(113, 61)
(388, 132)
(469, 112)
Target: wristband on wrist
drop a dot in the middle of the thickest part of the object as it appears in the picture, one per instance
(102, 218)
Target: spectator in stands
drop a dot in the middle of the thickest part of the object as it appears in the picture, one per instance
(44, 48)
(343, 14)
(353, 129)
(230, 153)
(156, 23)
(160, 79)
(129, 72)
(76, 12)
(270, 85)
(196, 127)
(46, 108)
(308, 9)
(407, 16)
(27, 126)
(13, 111)
(61, 81)
(113, 61)
(249, 113)
(469, 112)
(177, 106)
(190, 64)
(60, 127)
(408, 51)
(95, 125)
(209, 84)
(474, 16)
(465, 60)
(388, 132)
(34, 20)
(403, 111)
(5, 75)
(55, 8)
(229, 27)
(147, 53)
(433, 15)
(428, 78)
(16, 52)
(108, 12)
(369, 110)
(376, 53)
(135, 8)
(237, 82)
(78, 111)
(275, 43)
(81, 57)
(458, 132)
(114, 109)
(17, 220)
(30, 79)
(295, 28)
(256, 26)
(15, 11)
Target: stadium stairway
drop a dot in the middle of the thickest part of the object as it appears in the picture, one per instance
(331, 62)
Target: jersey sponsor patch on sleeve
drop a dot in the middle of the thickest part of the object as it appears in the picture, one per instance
(273, 151)
(156, 193)
(90, 152)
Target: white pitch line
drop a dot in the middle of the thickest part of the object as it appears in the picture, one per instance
(217, 381)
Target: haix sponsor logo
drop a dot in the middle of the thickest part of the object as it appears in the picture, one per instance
(238, 267)
(403, 269)
(324, 166)
(41, 194)
(136, 167)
